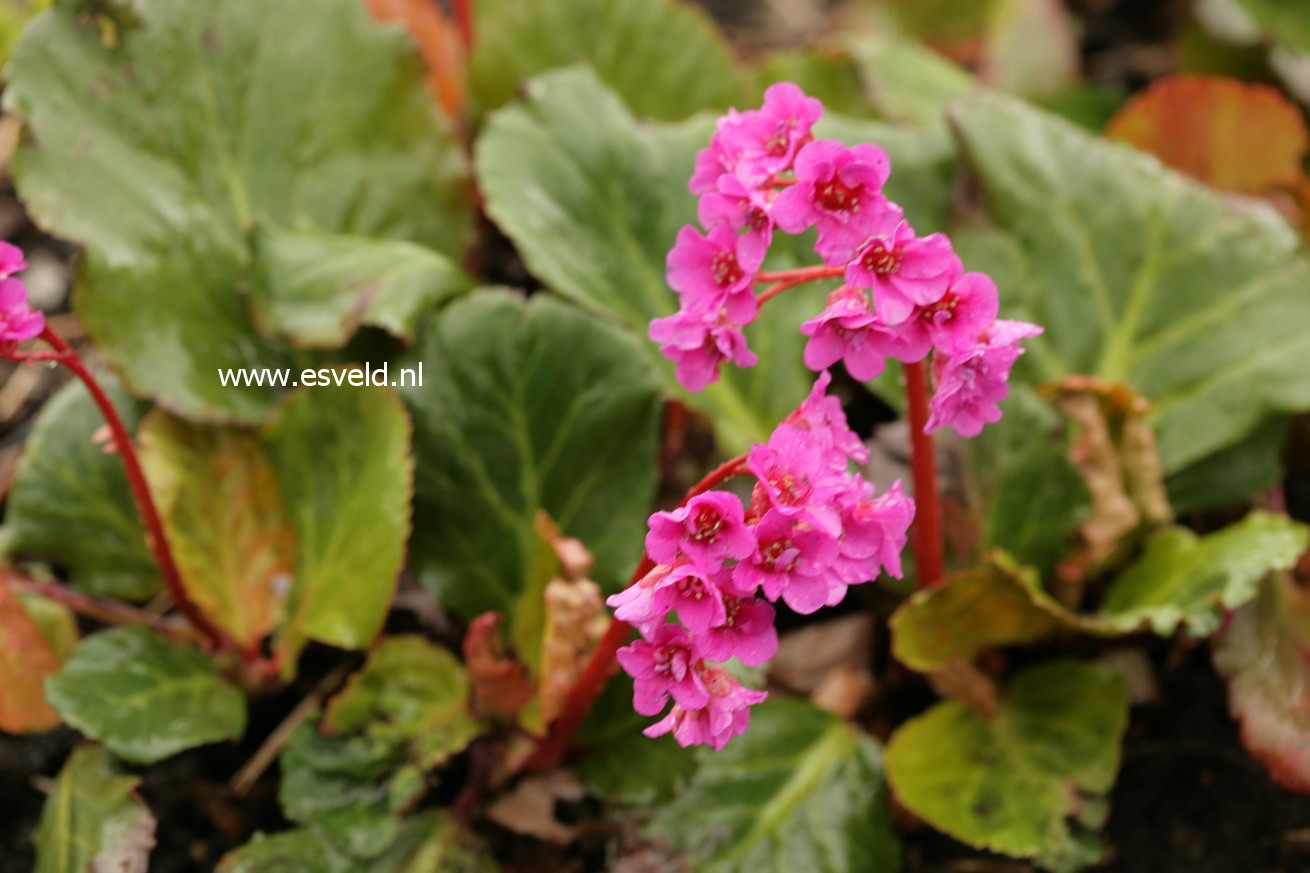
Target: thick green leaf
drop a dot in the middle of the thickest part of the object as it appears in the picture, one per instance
(593, 200)
(162, 132)
(1187, 580)
(14, 14)
(994, 605)
(906, 80)
(70, 504)
(316, 288)
(426, 843)
(526, 406)
(218, 496)
(1262, 653)
(410, 692)
(1287, 23)
(1012, 784)
(26, 659)
(344, 469)
(1139, 274)
(352, 789)
(801, 790)
(664, 57)
(55, 621)
(93, 819)
(144, 698)
(1233, 474)
(831, 76)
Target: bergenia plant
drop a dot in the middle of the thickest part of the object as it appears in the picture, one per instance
(815, 524)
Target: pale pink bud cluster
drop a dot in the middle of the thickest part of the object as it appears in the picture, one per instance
(904, 296)
(18, 321)
(814, 528)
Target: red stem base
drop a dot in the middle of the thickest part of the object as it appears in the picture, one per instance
(926, 533)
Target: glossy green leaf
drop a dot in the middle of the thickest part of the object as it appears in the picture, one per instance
(162, 133)
(1262, 654)
(906, 80)
(526, 406)
(1288, 23)
(593, 200)
(316, 289)
(801, 790)
(55, 621)
(1141, 275)
(344, 469)
(1027, 783)
(410, 692)
(218, 496)
(93, 819)
(144, 698)
(70, 504)
(1234, 474)
(665, 58)
(1188, 580)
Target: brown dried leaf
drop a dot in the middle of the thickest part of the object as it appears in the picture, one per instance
(26, 659)
(806, 656)
(530, 808)
(501, 685)
(575, 621)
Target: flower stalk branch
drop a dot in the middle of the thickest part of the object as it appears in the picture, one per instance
(926, 532)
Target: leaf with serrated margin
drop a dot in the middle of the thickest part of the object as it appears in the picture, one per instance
(345, 472)
(93, 819)
(144, 698)
(665, 58)
(1185, 580)
(1264, 653)
(1141, 275)
(162, 133)
(801, 790)
(527, 405)
(70, 504)
(1012, 784)
(219, 500)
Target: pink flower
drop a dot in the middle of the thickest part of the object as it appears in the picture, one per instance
(740, 207)
(11, 259)
(769, 138)
(666, 665)
(969, 385)
(695, 595)
(637, 604)
(709, 529)
(18, 321)
(711, 273)
(823, 418)
(874, 531)
(840, 190)
(902, 270)
(794, 476)
(726, 716)
(747, 632)
(967, 308)
(699, 343)
(847, 330)
(789, 561)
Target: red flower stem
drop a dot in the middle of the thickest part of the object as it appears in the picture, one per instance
(101, 609)
(926, 534)
(785, 279)
(145, 504)
(551, 748)
(464, 17)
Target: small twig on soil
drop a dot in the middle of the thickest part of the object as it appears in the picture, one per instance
(245, 778)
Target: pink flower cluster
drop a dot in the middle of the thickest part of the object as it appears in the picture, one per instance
(18, 321)
(904, 295)
(813, 528)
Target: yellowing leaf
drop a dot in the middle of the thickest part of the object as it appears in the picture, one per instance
(224, 517)
(26, 659)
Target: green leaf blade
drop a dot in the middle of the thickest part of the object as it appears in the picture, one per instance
(93, 819)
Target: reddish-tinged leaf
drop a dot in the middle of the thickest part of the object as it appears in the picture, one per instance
(1265, 655)
(438, 41)
(26, 659)
(501, 685)
(1234, 135)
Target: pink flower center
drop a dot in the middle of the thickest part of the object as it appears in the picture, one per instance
(757, 218)
(731, 607)
(691, 588)
(791, 489)
(835, 196)
(882, 261)
(777, 550)
(670, 662)
(944, 307)
(725, 268)
(777, 145)
(708, 524)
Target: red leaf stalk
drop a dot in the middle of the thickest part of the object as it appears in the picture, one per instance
(926, 534)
